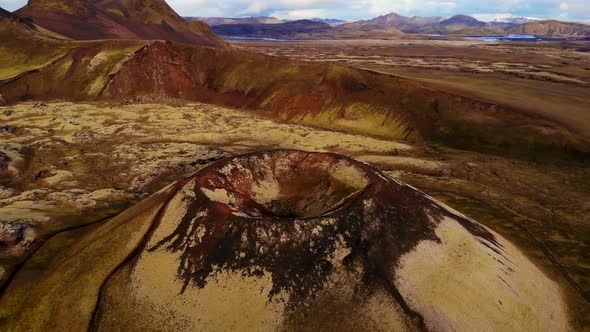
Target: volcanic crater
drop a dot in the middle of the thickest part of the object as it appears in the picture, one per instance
(301, 185)
(321, 228)
(287, 240)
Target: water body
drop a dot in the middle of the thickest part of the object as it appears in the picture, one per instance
(519, 38)
(257, 38)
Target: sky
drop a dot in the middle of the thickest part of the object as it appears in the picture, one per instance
(571, 10)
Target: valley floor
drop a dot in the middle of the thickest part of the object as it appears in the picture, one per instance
(78, 163)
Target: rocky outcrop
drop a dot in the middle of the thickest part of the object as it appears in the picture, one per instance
(4, 162)
(289, 240)
(15, 239)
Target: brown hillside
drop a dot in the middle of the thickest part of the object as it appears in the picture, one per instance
(26, 46)
(552, 28)
(117, 19)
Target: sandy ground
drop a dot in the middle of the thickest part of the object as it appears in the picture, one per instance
(77, 163)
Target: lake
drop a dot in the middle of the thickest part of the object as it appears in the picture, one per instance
(519, 38)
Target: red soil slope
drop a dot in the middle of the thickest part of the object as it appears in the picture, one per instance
(118, 19)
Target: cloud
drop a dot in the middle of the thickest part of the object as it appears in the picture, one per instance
(488, 17)
(564, 6)
(255, 7)
(363, 9)
(299, 14)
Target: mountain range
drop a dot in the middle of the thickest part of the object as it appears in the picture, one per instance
(392, 25)
(280, 30)
(213, 21)
(394, 21)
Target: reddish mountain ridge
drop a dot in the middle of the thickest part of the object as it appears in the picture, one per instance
(117, 19)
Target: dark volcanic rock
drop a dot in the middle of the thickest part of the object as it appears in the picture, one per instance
(16, 238)
(4, 161)
(7, 129)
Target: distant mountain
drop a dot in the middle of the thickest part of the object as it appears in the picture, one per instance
(551, 28)
(213, 21)
(283, 30)
(501, 25)
(460, 25)
(117, 19)
(508, 21)
(460, 22)
(513, 20)
(331, 21)
(395, 21)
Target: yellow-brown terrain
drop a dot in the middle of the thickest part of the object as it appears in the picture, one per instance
(126, 200)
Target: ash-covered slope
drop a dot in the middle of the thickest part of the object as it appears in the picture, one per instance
(287, 240)
(118, 19)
